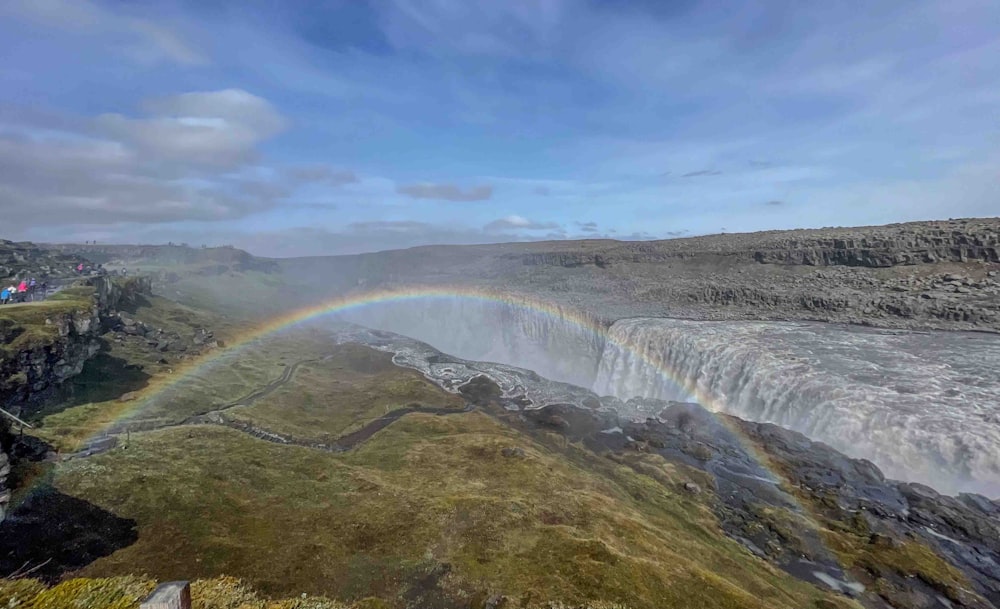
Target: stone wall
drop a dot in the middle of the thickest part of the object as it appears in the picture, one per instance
(4, 467)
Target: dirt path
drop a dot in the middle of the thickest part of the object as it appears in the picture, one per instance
(218, 416)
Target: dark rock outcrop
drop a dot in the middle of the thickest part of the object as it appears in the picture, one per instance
(25, 260)
(4, 466)
(814, 512)
(208, 260)
(62, 338)
(888, 276)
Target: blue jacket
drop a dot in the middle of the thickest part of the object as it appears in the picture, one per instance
(5, 295)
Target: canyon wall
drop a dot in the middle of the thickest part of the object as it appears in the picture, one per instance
(920, 405)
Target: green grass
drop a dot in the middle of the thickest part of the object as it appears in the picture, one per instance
(425, 492)
(873, 563)
(333, 397)
(428, 512)
(33, 324)
(128, 591)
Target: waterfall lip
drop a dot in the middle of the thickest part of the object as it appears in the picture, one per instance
(727, 449)
(787, 375)
(913, 403)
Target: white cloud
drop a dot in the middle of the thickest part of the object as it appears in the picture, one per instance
(445, 192)
(186, 163)
(515, 222)
(212, 128)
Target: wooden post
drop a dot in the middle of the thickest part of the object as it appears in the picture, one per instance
(22, 423)
(171, 595)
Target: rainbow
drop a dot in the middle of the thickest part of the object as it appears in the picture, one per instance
(360, 300)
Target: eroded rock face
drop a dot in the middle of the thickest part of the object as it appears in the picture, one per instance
(808, 509)
(29, 372)
(4, 472)
(812, 511)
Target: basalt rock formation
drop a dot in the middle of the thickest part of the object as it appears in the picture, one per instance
(4, 467)
(25, 260)
(917, 275)
(815, 513)
(209, 260)
(48, 342)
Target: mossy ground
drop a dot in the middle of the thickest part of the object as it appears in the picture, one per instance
(874, 562)
(126, 592)
(428, 512)
(332, 397)
(31, 324)
(93, 403)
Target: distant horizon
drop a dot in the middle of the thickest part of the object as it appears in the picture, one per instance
(250, 251)
(334, 127)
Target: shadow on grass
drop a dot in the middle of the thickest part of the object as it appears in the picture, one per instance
(54, 534)
(104, 377)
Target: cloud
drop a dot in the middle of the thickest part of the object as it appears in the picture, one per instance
(445, 192)
(322, 173)
(140, 39)
(587, 227)
(774, 203)
(542, 191)
(213, 128)
(703, 172)
(515, 222)
(187, 162)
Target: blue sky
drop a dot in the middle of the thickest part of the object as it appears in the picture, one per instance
(306, 128)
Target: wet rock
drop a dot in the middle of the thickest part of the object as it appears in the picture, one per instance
(514, 452)
(693, 488)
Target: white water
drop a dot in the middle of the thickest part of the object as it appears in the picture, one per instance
(922, 406)
(494, 332)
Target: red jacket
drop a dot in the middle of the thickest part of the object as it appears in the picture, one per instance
(23, 287)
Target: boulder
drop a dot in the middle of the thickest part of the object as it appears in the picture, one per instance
(171, 595)
(514, 452)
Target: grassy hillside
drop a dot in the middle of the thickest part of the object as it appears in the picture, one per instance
(445, 511)
(459, 509)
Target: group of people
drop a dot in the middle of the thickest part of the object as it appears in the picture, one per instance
(22, 292)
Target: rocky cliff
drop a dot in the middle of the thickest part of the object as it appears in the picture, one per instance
(42, 344)
(941, 274)
(24, 260)
(878, 246)
(4, 467)
(209, 260)
(45, 343)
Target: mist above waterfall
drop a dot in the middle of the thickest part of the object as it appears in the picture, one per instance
(922, 406)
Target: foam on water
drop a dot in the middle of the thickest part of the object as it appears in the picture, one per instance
(923, 406)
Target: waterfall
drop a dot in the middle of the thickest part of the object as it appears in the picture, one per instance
(496, 331)
(922, 406)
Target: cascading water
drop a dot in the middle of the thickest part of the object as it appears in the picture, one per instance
(506, 332)
(922, 406)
